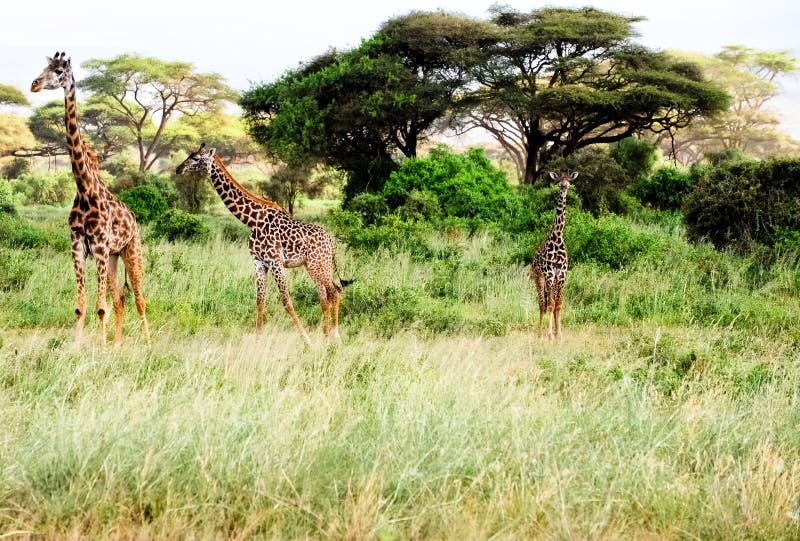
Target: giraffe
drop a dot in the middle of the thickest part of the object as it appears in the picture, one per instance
(100, 225)
(550, 262)
(277, 241)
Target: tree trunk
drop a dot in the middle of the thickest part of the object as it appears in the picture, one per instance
(531, 165)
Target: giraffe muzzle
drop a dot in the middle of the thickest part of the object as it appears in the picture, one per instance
(36, 85)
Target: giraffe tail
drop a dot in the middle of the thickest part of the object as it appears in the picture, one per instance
(342, 282)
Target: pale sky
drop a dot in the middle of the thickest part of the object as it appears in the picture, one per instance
(252, 42)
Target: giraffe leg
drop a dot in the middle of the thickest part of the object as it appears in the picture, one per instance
(134, 267)
(552, 292)
(558, 301)
(261, 293)
(101, 260)
(283, 288)
(541, 292)
(117, 296)
(337, 297)
(79, 263)
(327, 293)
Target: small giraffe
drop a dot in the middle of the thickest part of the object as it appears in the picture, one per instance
(277, 241)
(549, 268)
(100, 225)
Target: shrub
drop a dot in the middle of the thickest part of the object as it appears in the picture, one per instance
(535, 208)
(665, 189)
(609, 241)
(737, 203)
(6, 198)
(17, 167)
(635, 156)
(18, 233)
(468, 186)
(601, 183)
(46, 188)
(419, 205)
(370, 206)
(176, 224)
(194, 191)
(145, 201)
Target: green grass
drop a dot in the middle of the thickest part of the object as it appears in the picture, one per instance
(670, 410)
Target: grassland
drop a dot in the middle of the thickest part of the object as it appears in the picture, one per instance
(669, 411)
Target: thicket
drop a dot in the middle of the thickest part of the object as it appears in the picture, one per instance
(739, 203)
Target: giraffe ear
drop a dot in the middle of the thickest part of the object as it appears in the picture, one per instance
(573, 176)
(212, 151)
(553, 175)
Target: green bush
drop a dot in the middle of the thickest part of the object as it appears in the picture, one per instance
(741, 202)
(419, 205)
(177, 224)
(610, 241)
(370, 206)
(17, 167)
(18, 233)
(665, 189)
(635, 156)
(602, 181)
(6, 198)
(46, 188)
(466, 185)
(145, 201)
(535, 208)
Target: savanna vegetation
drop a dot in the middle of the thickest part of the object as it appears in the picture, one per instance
(669, 410)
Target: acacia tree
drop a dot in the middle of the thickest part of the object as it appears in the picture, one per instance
(553, 81)
(11, 95)
(356, 110)
(47, 126)
(752, 79)
(147, 93)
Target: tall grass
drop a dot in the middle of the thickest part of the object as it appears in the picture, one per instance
(669, 410)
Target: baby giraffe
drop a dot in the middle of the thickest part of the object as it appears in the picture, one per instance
(549, 268)
(100, 225)
(277, 241)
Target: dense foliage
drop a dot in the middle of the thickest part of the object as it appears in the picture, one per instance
(145, 201)
(737, 203)
(467, 186)
(665, 189)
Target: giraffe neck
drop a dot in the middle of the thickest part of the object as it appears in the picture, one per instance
(240, 202)
(82, 170)
(557, 231)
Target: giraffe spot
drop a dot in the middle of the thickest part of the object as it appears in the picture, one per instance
(72, 128)
(78, 312)
(101, 312)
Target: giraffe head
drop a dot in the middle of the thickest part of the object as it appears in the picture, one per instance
(563, 178)
(197, 161)
(57, 74)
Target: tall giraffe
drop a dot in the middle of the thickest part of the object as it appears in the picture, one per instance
(277, 241)
(100, 225)
(549, 268)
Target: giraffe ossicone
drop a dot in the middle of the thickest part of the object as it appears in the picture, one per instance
(277, 241)
(100, 225)
(550, 262)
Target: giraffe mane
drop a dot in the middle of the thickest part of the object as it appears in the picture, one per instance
(250, 195)
(91, 156)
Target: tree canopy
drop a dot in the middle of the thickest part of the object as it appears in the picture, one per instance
(357, 109)
(147, 93)
(555, 80)
(752, 79)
